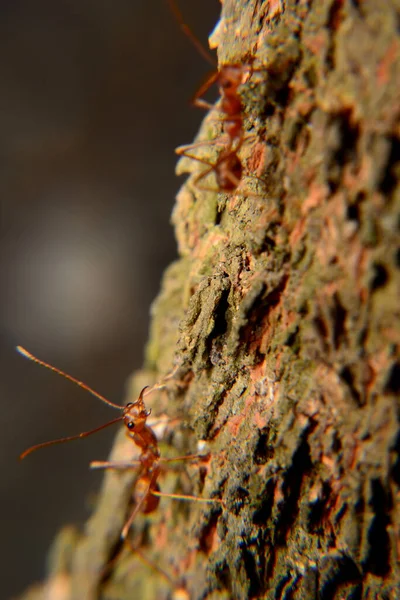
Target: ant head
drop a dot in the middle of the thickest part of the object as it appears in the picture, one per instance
(135, 414)
(230, 77)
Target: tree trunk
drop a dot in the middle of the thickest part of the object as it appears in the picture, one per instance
(282, 314)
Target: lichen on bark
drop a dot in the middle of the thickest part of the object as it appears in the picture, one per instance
(282, 313)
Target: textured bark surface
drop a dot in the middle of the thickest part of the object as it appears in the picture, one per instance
(283, 314)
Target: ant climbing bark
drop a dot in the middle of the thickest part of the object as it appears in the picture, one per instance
(228, 167)
(146, 492)
(228, 77)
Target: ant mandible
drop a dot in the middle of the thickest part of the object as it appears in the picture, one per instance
(146, 492)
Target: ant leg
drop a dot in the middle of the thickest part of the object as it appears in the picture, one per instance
(200, 160)
(187, 457)
(188, 497)
(150, 563)
(182, 150)
(197, 99)
(177, 587)
(201, 176)
(125, 465)
(135, 511)
(129, 464)
(200, 103)
(214, 167)
(167, 377)
(233, 179)
(162, 384)
(120, 464)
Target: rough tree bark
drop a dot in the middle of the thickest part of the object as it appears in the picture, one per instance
(283, 314)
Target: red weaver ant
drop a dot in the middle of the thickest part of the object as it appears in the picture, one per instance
(146, 493)
(228, 167)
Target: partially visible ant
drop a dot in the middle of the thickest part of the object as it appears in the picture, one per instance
(228, 168)
(146, 492)
(228, 77)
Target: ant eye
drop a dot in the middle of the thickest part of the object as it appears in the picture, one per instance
(130, 425)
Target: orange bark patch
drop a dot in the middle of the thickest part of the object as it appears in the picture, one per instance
(162, 535)
(260, 420)
(277, 316)
(297, 232)
(331, 242)
(315, 43)
(316, 197)
(257, 372)
(212, 240)
(234, 424)
(257, 162)
(328, 462)
(383, 70)
(274, 8)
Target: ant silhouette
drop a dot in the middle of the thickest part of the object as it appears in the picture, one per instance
(146, 492)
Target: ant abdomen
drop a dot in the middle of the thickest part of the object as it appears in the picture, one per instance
(148, 501)
(229, 172)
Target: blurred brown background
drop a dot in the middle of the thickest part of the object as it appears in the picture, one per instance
(94, 98)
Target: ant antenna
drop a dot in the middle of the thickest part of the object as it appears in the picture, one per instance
(189, 33)
(33, 358)
(66, 439)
